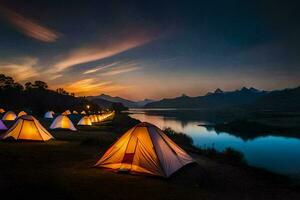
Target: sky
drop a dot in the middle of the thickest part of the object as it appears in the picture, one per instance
(151, 49)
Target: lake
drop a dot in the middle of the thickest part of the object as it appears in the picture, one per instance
(275, 153)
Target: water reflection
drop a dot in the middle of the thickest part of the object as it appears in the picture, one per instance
(279, 154)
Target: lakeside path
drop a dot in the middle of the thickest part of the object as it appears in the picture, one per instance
(63, 169)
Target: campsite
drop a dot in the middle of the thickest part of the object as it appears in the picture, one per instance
(66, 167)
(149, 99)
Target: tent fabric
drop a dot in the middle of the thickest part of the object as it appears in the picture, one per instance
(49, 114)
(22, 113)
(2, 125)
(2, 110)
(85, 121)
(67, 112)
(83, 112)
(9, 116)
(91, 118)
(28, 128)
(62, 121)
(145, 149)
(95, 118)
(75, 112)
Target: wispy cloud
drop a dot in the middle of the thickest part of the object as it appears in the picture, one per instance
(28, 26)
(120, 70)
(85, 86)
(56, 76)
(100, 51)
(92, 86)
(20, 69)
(98, 68)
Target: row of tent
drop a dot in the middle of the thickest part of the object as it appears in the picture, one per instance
(144, 149)
(61, 121)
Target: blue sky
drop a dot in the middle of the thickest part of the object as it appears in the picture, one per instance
(151, 49)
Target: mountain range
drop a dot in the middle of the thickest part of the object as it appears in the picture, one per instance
(125, 102)
(247, 98)
(212, 100)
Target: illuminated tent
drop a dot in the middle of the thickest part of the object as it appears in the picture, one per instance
(92, 118)
(145, 149)
(22, 113)
(85, 121)
(100, 118)
(106, 116)
(83, 112)
(49, 114)
(62, 121)
(2, 125)
(95, 118)
(67, 112)
(28, 128)
(9, 116)
(75, 112)
(2, 110)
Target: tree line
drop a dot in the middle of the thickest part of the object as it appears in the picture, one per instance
(35, 97)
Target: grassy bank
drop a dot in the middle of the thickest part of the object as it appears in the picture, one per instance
(63, 169)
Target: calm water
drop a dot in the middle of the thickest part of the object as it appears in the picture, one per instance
(278, 154)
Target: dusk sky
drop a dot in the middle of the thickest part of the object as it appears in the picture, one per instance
(151, 49)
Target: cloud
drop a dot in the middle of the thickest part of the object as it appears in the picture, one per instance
(121, 70)
(102, 50)
(100, 68)
(29, 27)
(85, 86)
(56, 76)
(20, 69)
(92, 86)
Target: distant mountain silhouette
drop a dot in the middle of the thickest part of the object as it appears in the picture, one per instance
(281, 100)
(103, 103)
(125, 102)
(213, 100)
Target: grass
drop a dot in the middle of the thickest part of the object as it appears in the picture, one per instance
(63, 169)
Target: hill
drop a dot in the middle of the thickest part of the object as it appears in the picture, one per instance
(282, 101)
(125, 102)
(213, 100)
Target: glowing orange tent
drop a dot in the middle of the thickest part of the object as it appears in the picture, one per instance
(22, 113)
(28, 128)
(95, 118)
(145, 149)
(2, 110)
(62, 121)
(9, 116)
(85, 121)
(67, 112)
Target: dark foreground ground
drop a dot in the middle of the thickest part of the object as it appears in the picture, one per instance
(63, 169)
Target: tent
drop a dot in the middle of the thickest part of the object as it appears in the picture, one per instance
(95, 118)
(75, 112)
(145, 149)
(22, 113)
(92, 118)
(2, 110)
(67, 112)
(9, 116)
(2, 125)
(85, 121)
(100, 118)
(49, 114)
(62, 121)
(28, 128)
(83, 112)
